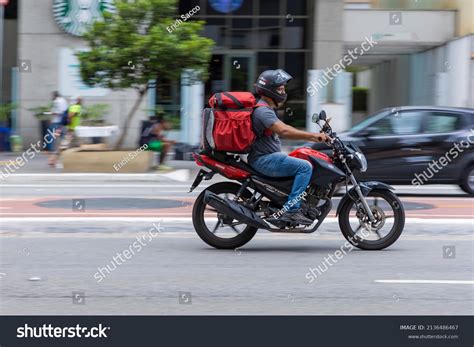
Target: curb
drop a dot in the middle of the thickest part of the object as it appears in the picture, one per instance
(181, 175)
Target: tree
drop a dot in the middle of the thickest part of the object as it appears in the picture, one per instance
(140, 42)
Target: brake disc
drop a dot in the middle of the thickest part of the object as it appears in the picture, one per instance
(365, 222)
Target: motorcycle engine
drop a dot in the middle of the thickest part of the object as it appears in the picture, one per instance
(312, 210)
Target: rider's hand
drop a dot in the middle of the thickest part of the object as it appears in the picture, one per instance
(322, 137)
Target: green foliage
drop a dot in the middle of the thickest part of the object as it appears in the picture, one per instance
(139, 43)
(39, 111)
(133, 46)
(173, 120)
(94, 114)
(5, 110)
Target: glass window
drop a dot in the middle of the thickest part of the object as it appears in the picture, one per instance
(241, 33)
(186, 5)
(268, 33)
(215, 29)
(269, 7)
(239, 74)
(238, 7)
(294, 65)
(400, 123)
(296, 7)
(267, 61)
(293, 34)
(242, 7)
(437, 122)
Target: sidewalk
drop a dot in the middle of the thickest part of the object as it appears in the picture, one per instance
(39, 165)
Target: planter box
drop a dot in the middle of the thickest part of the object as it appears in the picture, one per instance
(80, 160)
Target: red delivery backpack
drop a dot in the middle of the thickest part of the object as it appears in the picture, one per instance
(227, 125)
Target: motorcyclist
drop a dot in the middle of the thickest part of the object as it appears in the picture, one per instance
(266, 155)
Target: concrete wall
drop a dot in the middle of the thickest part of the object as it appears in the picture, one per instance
(9, 56)
(40, 40)
(328, 33)
(441, 76)
(424, 27)
(465, 22)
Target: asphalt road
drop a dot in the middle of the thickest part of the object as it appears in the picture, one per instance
(51, 250)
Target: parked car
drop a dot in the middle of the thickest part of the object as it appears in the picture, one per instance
(405, 145)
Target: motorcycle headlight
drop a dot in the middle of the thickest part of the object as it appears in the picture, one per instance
(362, 160)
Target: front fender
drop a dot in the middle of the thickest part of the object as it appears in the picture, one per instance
(365, 188)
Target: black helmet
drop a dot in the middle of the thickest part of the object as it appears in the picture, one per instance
(268, 83)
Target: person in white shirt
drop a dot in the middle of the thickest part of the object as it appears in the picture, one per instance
(59, 114)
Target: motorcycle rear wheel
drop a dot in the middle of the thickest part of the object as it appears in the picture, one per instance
(227, 189)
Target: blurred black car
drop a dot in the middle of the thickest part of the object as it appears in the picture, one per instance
(416, 145)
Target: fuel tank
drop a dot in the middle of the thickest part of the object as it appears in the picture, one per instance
(306, 152)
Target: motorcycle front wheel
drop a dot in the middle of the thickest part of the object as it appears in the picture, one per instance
(217, 229)
(389, 220)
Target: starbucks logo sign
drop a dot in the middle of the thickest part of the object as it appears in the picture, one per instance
(75, 16)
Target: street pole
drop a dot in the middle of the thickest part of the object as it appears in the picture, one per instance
(2, 11)
(3, 3)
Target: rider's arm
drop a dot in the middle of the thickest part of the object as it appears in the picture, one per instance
(288, 132)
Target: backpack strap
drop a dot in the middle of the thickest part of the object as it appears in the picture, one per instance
(260, 104)
(234, 99)
(220, 103)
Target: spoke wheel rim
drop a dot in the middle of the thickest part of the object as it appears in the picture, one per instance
(220, 225)
(365, 231)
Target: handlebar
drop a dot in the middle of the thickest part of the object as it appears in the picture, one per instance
(335, 142)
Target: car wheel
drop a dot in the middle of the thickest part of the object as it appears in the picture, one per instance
(467, 183)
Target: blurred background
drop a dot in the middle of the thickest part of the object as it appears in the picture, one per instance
(423, 56)
(61, 222)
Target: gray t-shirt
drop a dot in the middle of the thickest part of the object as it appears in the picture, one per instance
(263, 118)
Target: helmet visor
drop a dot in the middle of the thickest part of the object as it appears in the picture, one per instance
(281, 77)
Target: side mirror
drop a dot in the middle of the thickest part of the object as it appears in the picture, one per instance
(322, 115)
(315, 118)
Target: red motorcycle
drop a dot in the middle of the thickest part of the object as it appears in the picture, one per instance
(227, 215)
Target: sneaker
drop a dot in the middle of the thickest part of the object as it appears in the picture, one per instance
(296, 216)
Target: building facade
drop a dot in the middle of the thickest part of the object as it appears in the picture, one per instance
(423, 56)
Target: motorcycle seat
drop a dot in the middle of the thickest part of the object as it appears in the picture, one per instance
(241, 164)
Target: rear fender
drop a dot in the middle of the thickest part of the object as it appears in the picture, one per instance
(365, 188)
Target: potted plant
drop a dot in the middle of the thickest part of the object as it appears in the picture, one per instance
(93, 116)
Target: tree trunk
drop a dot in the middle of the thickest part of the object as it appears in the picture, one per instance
(141, 94)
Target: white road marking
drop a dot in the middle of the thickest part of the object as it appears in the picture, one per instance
(96, 186)
(427, 281)
(178, 219)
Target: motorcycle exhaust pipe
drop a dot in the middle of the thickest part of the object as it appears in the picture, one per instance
(233, 209)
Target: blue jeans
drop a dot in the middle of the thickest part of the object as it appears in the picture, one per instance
(52, 146)
(279, 164)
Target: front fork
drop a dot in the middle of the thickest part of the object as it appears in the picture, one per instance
(362, 197)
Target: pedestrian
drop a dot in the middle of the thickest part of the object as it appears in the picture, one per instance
(72, 120)
(154, 138)
(58, 111)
